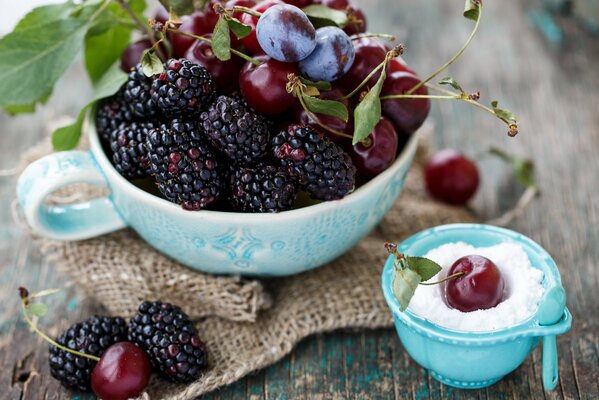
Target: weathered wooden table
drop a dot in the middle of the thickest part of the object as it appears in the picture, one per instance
(553, 89)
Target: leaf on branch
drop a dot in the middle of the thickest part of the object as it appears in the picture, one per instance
(179, 7)
(44, 14)
(405, 283)
(505, 115)
(320, 85)
(472, 9)
(38, 309)
(424, 267)
(239, 29)
(523, 168)
(368, 113)
(326, 107)
(451, 82)
(321, 16)
(151, 64)
(221, 40)
(67, 137)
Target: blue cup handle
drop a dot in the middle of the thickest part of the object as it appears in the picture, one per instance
(66, 222)
(550, 365)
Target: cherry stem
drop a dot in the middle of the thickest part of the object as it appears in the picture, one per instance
(385, 36)
(204, 39)
(247, 10)
(453, 276)
(49, 339)
(459, 53)
(527, 197)
(141, 25)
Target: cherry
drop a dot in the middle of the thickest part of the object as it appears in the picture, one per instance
(161, 14)
(378, 151)
(407, 114)
(123, 372)
(398, 64)
(451, 177)
(132, 54)
(370, 52)
(301, 117)
(300, 3)
(225, 73)
(263, 86)
(194, 24)
(480, 287)
(358, 23)
(210, 15)
(250, 42)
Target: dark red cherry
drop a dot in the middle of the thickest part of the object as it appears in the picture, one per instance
(370, 52)
(161, 14)
(398, 64)
(122, 373)
(480, 288)
(225, 73)
(301, 117)
(451, 177)
(379, 150)
(194, 24)
(263, 86)
(132, 54)
(250, 42)
(357, 23)
(407, 114)
(300, 3)
(210, 15)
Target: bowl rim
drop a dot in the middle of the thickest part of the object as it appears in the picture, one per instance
(527, 328)
(96, 149)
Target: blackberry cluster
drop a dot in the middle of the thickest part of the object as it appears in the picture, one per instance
(170, 340)
(183, 88)
(128, 145)
(184, 166)
(235, 131)
(322, 168)
(261, 188)
(92, 336)
(137, 94)
(112, 113)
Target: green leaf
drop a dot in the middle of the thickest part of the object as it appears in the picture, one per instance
(151, 63)
(221, 40)
(472, 9)
(42, 293)
(101, 51)
(523, 168)
(506, 115)
(451, 82)
(320, 85)
(44, 14)
(326, 107)
(179, 7)
(368, 113)
(405, 283)
(38, 309)
(67, 137)
(110, 83)
(324, 16)
(424, 267)
(32, 59)
(26, 108)
(239, 30)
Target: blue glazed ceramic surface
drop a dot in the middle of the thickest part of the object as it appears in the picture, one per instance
(216, 242)
(463, 359)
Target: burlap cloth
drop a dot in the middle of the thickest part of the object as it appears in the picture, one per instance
(246, 324)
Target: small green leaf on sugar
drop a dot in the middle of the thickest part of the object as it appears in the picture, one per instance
(239, 29)
(43, 293)
(327, 107)
(368, 113)
(424, 267)
(321, 16)
(320, 85)
(505, 115)
(472, 9)
(221, 40)
(151, 63)
(451, 82)
(38, 309)
(405, 283)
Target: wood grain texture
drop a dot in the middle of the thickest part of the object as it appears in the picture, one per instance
(553, 90)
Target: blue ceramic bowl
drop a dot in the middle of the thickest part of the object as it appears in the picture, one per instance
(286, 243)
(474, 360)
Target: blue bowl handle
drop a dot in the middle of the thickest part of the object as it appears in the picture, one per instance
(66, 222)
(550, 365)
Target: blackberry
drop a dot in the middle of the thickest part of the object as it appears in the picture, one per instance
(92, 336)
(184, 166)
(235, 131)
(137, 94)
(111, 114)
(171, 341)
(183, 88)
(323, 169)
(261, 188)
(129, 154)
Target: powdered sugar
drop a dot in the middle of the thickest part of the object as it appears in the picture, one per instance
(523, 289)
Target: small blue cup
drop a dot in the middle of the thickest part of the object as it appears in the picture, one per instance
(475, 360)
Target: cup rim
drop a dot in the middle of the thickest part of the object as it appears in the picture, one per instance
(527, 328)
(113, 176)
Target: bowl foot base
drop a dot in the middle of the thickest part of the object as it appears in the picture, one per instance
(463, 384)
